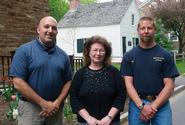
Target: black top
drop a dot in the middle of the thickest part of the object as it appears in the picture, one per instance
(97, 91)
(148, 68)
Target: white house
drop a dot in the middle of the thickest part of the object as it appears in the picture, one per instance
(115, 20)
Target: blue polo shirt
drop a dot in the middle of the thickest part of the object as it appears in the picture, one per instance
(45, 70)
(148, 67)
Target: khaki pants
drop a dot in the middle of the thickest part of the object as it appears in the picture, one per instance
(29, 115)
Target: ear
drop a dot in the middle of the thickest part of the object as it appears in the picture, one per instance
(38, 30)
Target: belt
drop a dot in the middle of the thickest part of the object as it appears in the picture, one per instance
(148, 97)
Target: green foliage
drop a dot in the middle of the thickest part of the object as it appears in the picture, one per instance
(9, 115)
(88, 1)
(161, 37)
(58, 8)
(7, 93)
(181, 66)
(13, 106)
(68, 114)
(69, 117)
(172, 15)
(117, 65)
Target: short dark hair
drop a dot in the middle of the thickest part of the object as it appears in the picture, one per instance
(148, 19)
(87, 48)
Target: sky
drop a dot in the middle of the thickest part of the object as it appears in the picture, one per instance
(111, 0)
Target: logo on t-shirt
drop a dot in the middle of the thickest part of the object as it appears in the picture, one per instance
(158, 59)
(132, 61)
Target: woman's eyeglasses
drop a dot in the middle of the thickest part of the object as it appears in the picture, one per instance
(101, 51)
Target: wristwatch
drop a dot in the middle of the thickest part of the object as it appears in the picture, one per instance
(140, 107)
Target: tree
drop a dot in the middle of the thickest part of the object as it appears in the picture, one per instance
(88, 1)
(161, 37)
(58, 8)
(172, 15)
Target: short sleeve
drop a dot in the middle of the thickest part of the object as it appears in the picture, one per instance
(169, 68)
(126, 67)
(19, 65)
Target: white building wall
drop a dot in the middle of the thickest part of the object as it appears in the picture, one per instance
(67, 38)
(127, 29)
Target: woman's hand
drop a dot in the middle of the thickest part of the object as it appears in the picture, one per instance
(105, 121)
(92, 121)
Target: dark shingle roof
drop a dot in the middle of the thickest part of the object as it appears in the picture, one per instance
(96, 14)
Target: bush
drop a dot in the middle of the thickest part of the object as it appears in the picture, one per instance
(69, 117)
(7, 93)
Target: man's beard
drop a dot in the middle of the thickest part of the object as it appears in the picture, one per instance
(147, 39)
(49, 43)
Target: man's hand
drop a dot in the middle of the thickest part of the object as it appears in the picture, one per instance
(49, 108)
(147, 112)
(56, 104)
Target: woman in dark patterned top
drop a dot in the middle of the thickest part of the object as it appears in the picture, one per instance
(98, 91)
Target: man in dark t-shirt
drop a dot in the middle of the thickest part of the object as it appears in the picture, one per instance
(149, 73)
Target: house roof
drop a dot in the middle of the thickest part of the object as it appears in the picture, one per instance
(98, 14)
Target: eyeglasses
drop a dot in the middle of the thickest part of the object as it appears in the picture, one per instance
(101, 51)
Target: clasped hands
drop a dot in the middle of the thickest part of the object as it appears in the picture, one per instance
(147, 112)
(93, 121)
(49, 108)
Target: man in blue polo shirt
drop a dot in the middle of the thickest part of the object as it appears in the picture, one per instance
(149, 73)
(42, 76)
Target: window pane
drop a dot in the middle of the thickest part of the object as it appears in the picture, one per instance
(80, 45)
(132, 19)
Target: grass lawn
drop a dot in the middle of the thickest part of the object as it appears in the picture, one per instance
(179, 63)
(117, 65)
(181, 66)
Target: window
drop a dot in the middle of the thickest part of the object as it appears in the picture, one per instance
(80, 45)
(129, 43)
(132, 19)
